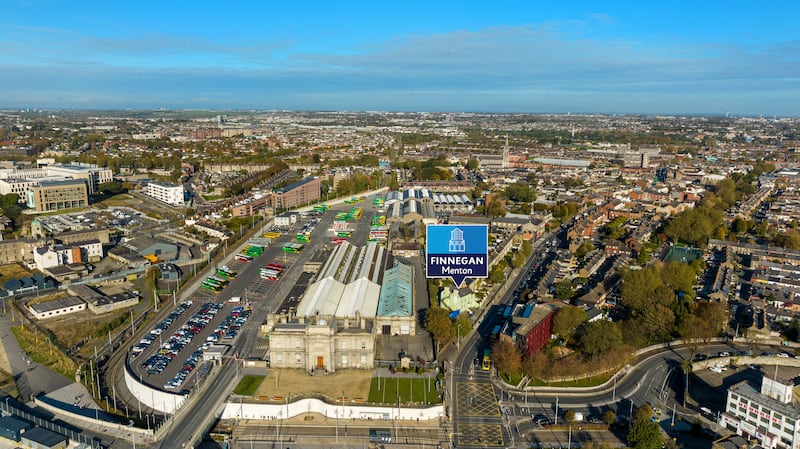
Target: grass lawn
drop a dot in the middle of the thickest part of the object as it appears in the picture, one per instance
(248, 385)
(213, 197)
(511, 379)
(418, 390)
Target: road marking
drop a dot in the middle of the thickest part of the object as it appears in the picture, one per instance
(482, 435)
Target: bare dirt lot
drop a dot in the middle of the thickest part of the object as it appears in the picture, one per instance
(353, 384)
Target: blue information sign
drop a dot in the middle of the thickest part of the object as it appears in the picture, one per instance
(457, 252)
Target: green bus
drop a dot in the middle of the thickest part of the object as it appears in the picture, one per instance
(211, 287)
(225, 274)
(293, 247)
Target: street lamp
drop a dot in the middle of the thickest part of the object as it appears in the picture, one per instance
(556, 420)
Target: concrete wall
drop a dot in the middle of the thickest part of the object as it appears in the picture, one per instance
(163, 401)
(745, 360)
(281, 411)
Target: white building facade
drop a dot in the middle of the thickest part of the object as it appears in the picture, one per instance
(769, 416)
(169, 193)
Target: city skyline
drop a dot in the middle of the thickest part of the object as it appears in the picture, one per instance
(681, 58)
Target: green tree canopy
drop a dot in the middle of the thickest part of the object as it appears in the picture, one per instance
(506, 356)
(495, 207)
(598, 337)
(609, 417)
(111, 188)
(438, 323)
(567, 320)
(497, 272)
(584, 249)
(520, 192)
(462, 325)
(565, 290)
(643, 433)
(680, 277)
(788, 239)
(614, 229)
(713, 313)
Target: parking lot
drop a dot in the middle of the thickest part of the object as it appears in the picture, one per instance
(168, 354)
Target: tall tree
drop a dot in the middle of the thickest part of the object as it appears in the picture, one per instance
(495, 207)
(643, 433)
(567, 320)
(565, 290)
(506, 356)
(438, 323)
(715, 314)
(598, 337)
(535, 366)
(609, 417)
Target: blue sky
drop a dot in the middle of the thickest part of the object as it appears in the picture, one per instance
(579, 56)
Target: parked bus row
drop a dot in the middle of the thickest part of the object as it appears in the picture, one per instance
(272, 272)
(214, 284)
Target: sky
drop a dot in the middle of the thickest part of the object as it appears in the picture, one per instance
(676, 57)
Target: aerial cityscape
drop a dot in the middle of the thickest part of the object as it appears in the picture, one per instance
(427, 226)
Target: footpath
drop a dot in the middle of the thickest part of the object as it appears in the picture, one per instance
(315, 430)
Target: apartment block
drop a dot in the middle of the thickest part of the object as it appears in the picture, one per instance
(166, 192)
(305, 191)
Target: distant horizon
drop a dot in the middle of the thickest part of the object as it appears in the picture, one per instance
(516, 57)
(390, 111)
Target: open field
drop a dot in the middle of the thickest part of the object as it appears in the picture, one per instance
(353, 384)
(413, 390)
(248, 385)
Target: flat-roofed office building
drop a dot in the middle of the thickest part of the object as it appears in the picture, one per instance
(58, 195)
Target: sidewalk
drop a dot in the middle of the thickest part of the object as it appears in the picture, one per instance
(312, 429)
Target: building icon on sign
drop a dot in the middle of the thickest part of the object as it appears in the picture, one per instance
(457, 244)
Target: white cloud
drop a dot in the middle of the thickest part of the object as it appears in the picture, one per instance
(500, 68)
